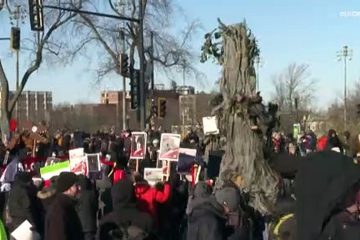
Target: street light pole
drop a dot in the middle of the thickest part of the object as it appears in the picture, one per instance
(124, 85)
(346, 55)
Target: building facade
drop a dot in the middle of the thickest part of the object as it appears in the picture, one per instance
(34, 106)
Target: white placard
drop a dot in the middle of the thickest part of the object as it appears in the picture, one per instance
(78, 161)
(210, 126)
(170, 147)
(23, 232)
(153, 175)
(75, 153)
(138, 145)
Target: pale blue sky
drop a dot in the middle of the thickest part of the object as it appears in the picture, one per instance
(305, 31)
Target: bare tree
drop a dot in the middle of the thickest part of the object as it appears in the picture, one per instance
(235, 48)
(171, 50)
(36, 45)
(294, 82)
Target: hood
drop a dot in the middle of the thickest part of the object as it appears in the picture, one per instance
(123, 194)
(321, 186)
(198, 207)
(202, 190)
(46, 193)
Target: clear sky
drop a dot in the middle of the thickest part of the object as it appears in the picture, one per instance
(306, 31)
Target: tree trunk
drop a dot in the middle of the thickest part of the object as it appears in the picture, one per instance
(4, 104)
(244, 156)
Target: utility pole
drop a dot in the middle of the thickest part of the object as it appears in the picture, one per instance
(346, 55)
(124, 84)
(142, 105)
(152, 63)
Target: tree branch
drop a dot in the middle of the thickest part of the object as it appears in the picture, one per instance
(39, 56)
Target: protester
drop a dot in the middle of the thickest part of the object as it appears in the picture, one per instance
(23, 203)
(87, 208)
(206, 219)
(148, 196)
(62, 221)
(125, 214)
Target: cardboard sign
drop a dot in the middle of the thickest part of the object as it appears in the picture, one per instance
(78, 161)
(23, 232)
(186, 160)
(93, 162)
(153, 175)
(169, 147)
(54, 170)
(210, 126)
(138, 145)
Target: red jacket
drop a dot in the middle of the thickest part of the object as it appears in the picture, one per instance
(148, 196)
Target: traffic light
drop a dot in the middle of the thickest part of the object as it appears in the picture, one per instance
(36, 15)
(15, 38)
(154, 109)
(358, 109)
(134, 89)
(162, 107)
(124, 65)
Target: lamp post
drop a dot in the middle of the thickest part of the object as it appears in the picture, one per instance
(345, 54)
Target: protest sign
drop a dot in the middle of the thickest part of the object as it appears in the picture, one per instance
(138, 145)
(93, 165)
(169, 147)
(153, 175)
(210, 126)
(78, 161)
(187, 158)
(23, 232)
(54, 170)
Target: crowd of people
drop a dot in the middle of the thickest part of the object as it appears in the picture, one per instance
(121, 204)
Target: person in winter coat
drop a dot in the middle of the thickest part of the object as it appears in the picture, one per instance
(62, 221)
(345, 225)
(23, 203)
(87, 208)
(47, 194)
(148, 196)
(125, 213)
(206, 217)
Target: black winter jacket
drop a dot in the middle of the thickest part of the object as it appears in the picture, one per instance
(62, 221)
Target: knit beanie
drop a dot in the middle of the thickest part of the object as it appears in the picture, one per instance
(65, 181)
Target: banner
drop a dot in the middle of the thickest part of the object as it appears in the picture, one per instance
(138, 145)
(153, 175)
(54, 170)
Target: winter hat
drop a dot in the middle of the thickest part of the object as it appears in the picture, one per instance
(229, 197)
(23, 177)
(65, 181)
